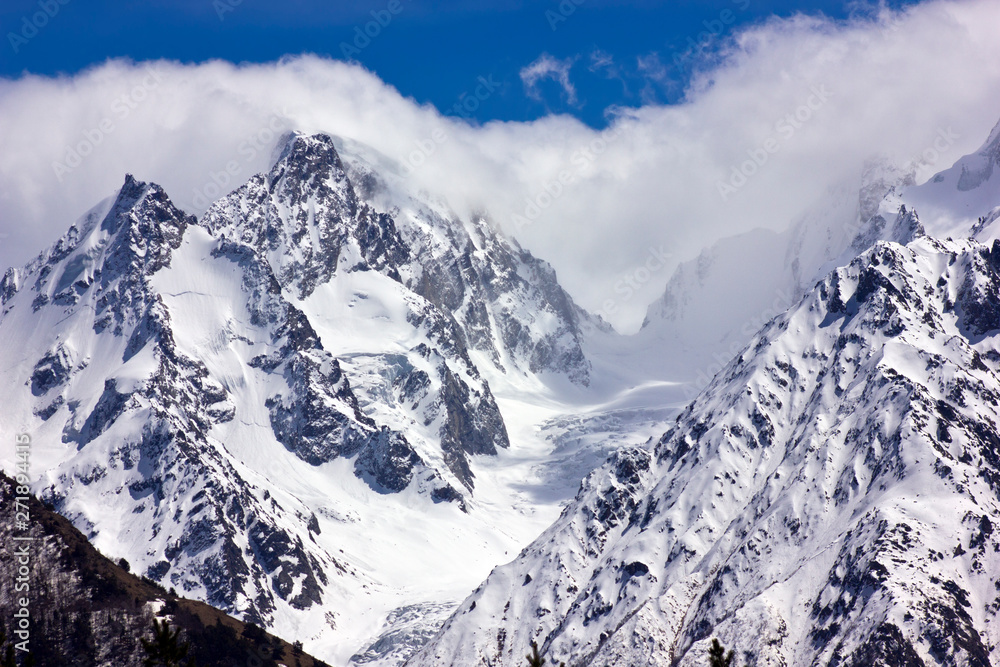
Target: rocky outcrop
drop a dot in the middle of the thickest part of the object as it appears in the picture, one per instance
(829, 498)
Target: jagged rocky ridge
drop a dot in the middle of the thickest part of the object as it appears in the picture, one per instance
(141, 424)
(510, 306)
(174, 358)
(304, 223)
(229, 392)
(714, 303)
(829, 499)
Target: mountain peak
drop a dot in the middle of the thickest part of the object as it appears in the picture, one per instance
(309, 165)
(128, 196)
(294, 141)
(143, 199)
(301, 215)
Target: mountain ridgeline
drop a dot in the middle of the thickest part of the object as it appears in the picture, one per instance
(831, 496)
(331, 405)
(178, 368)
(829, 499)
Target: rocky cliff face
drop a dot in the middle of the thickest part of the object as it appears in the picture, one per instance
(139, 411)
(225, 399)
(830, 498)
(285, 410)
(508, 304)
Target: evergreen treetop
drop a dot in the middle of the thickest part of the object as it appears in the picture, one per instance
(717, 656)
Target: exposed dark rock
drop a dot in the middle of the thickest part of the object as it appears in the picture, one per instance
(51, 371)
(387, 461)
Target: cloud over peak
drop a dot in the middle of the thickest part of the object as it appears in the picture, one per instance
(592, 203)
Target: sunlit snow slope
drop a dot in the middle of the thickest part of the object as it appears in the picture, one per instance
(285, 409)
(829, 499)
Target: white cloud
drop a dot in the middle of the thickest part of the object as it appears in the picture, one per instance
(657, 77)
(652, 185)
(604, 64)
(547, 67)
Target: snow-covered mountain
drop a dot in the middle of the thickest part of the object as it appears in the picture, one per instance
(714, 303)
(961, 200)
(285, 409)
(830, 498)
(332, 406)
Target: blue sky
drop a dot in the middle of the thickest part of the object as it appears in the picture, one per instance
(617, 52)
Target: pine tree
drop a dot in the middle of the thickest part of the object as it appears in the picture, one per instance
(717, 656)
(8, 654)
(165, 650)
(536, 660)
